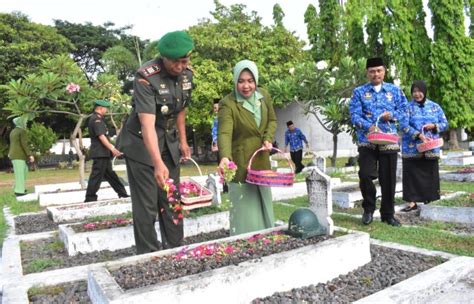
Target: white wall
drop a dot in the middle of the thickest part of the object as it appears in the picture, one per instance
(57, 148)
(319, 139)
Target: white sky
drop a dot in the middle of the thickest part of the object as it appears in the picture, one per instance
(152, 19)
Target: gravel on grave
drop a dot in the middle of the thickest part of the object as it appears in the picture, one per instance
(34, 223)
(413, 218)
(74, 292)
(388, 267)
(166, 268)
(40, 250)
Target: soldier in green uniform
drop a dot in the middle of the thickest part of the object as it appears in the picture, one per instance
(101, 151)
(154, 139)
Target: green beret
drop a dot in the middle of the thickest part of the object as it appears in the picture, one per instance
(102, 103)
(174, 45)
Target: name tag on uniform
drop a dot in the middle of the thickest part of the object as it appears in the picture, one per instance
(164, 91)
(187, 86)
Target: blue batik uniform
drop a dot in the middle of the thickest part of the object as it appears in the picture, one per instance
(366, 105)
(420, 114)
(295, 138)
(214, 131)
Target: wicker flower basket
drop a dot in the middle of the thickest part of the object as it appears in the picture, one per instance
(269, 178)
(430, 144)
(205, 196)
(381, 138)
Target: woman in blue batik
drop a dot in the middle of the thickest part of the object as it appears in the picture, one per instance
(420, 169)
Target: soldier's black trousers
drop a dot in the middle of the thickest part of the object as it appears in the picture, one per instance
(149, 202)
(102, 170)
(374, 164)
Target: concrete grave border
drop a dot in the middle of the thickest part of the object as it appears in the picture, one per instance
(269, 273)
(122, 237)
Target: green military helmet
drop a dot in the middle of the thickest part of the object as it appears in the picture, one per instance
(303, 223)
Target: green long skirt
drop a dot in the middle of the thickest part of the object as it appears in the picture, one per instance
(20, 169)
(251, 208)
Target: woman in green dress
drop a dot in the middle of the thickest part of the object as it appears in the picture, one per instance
(247, 122)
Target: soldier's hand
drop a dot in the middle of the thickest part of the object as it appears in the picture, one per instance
(116, 152)
(386, 116)
(161, 174)
(185, 151)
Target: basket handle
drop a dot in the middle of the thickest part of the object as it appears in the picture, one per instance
(388, 122)
(273, 148)
(197, 166)
(423, 131)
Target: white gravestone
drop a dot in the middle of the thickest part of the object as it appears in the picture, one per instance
(320, 196)
(214, 185)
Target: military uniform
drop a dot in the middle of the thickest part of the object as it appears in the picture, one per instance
(365, 106)
(164, 95)
(102, 164)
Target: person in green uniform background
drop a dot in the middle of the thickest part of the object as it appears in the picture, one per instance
(101, 152)
(154, 140)
(247, 122)
(19, 154)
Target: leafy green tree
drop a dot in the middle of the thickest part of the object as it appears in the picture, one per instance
(325, 31)
(60, 87)
(41, 138)
(353, 30)
(220, 43)
(119, 61)
(91, 41)
(453, 63)
(278, 15)
(23, 45)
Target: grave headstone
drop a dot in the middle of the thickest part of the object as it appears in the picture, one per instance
(214, 185)
(320, 196)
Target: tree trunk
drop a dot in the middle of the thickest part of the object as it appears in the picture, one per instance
(74, 140)
(334, 149)
(453, 139)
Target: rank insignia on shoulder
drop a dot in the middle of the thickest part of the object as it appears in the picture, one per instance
(150, 70)
(367, 95)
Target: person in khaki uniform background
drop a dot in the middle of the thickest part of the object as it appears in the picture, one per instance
(247, 122)
(101, 152)
(154, 139)
(19, 153)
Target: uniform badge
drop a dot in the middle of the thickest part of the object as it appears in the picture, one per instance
(389, 96)
(368, 115)
(368, 95)
(164, 109)
(164, 91)
(411, 145)
(187, 85)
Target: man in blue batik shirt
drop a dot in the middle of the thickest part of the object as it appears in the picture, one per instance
(374, 106)
(295, 138)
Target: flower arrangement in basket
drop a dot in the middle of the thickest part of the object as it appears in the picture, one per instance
(189, 195)
(269, 178)
(430, 144)
(381, 138)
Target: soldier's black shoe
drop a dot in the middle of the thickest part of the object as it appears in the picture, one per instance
(367, 218)
(391, 221)
(124, 196)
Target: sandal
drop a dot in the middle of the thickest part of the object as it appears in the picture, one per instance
(410, 208)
